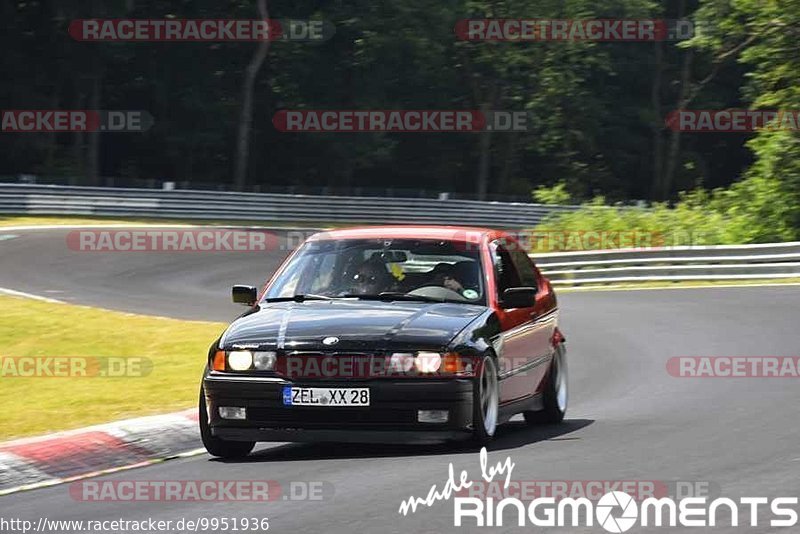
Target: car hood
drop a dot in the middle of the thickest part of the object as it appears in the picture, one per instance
(358, 325)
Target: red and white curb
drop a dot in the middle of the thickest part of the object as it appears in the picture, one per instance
(67, 456)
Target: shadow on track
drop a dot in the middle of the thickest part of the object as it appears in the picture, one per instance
(509, 436)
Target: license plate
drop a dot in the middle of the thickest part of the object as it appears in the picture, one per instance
(325, 396)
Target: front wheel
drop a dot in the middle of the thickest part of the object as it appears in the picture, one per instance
(486, 401)
(555, 393)
(216, 446)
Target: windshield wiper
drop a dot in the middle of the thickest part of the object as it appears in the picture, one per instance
(297, 298)
(395, 295)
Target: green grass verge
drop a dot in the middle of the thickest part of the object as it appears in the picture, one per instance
(35, 405)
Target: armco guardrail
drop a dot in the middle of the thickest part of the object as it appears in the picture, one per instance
(675, 264)
(767, 261)
(182, 204)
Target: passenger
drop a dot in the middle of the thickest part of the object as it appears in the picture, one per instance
(371, 278)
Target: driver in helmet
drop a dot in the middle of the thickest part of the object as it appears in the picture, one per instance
(444, 276)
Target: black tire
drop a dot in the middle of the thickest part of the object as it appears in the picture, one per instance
(554, 408)
(216, 446)
(485, 402)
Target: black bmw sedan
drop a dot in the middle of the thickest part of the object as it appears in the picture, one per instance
(387, 334)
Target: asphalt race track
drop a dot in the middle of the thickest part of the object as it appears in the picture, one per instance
(628, 418)
(185, 285)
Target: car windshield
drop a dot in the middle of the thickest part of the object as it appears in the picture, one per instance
(391, 269)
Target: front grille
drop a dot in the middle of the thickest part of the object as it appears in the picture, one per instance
(330, 366)
(331, 417)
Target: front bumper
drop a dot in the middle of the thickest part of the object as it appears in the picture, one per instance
(391, 416)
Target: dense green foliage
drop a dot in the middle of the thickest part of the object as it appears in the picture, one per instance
(598, 108)
(764, 205)
(755, 210)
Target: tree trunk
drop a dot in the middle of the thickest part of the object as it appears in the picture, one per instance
(95, 103)
(675, 134)
(77, 176)
(246, 116)
(684, 98)
(52, 145)
(485, 142)
(485, 147)
(508, 163)
(77, 157)
(658, 125)
(93, 153)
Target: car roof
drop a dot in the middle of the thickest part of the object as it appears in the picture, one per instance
(445, 233)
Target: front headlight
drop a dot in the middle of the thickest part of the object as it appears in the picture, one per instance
(435, 363)
(240, 360)
(264, 361)
(428, 362)
(401, 362)
(244, 360)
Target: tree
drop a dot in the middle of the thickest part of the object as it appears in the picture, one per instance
(246, 115)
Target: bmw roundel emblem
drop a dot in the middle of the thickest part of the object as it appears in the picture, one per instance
(330, 340)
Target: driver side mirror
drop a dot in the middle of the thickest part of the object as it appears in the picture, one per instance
(246, 295)
(519, 297)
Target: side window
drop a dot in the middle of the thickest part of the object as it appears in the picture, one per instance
(527, 273)
(505, 272)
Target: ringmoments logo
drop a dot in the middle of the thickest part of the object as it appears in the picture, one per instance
(615, 511)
